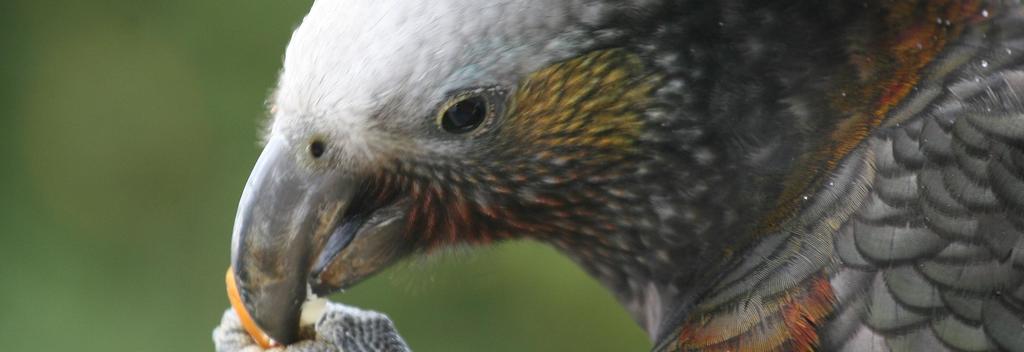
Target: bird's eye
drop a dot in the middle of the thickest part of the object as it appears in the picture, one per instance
(316, 148)
(464, 115)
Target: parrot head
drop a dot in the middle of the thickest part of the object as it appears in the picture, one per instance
(402, 127)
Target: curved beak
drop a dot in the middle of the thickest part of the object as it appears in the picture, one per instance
(301, 233)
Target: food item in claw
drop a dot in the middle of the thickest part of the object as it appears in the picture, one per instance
(250, 326)
(312, 310)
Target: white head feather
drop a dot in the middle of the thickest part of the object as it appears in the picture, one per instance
(354, 66)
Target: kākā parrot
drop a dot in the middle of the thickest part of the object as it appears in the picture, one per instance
(741, 175)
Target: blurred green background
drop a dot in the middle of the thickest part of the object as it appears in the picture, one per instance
(127, 130)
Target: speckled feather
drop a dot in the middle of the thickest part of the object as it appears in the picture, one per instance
(895, 261)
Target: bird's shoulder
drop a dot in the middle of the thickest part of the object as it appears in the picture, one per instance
(914, 239)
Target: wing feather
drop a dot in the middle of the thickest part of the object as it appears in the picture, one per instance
(942, 232)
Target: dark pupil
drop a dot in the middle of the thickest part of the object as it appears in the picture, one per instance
(464, 116)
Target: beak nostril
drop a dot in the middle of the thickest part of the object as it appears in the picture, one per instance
(317, 148)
